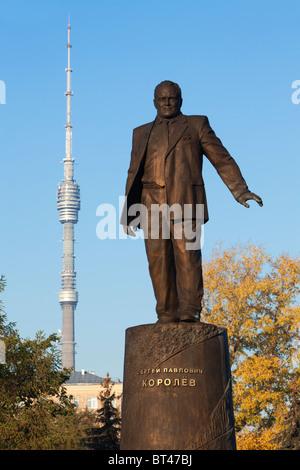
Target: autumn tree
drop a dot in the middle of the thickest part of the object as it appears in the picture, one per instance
(254, 296)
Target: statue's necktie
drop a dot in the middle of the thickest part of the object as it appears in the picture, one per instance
(163, 144)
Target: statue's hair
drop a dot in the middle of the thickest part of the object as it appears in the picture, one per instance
(169, 83)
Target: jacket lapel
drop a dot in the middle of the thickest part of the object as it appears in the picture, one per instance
(177, 128)
(143, 141)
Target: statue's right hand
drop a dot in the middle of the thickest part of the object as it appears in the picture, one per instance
(128, 231)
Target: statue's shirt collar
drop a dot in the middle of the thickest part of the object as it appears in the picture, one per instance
(159, 119)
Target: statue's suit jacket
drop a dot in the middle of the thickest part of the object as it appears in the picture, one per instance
(190, 137)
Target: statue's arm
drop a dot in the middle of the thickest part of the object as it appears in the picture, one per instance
(127, 227)
(225, 165)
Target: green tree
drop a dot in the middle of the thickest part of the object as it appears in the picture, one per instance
(35, 412)
(105, 433)
(255, 297)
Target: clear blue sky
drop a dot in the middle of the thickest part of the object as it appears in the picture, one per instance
(235, 62)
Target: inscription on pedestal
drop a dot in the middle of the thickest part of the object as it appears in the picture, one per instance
(169, 377)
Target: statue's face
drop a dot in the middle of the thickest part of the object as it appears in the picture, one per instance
(167, 101)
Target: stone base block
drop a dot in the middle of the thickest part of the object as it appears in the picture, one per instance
(177, 388)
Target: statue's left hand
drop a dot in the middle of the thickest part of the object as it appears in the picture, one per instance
(127, 229)
(246, 196)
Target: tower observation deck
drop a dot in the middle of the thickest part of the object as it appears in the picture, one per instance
(68, 205)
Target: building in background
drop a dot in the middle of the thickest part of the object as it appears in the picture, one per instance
(85, 388)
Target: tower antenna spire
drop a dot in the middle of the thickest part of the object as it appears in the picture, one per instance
(68, 205)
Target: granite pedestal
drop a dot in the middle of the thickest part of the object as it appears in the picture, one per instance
(177, 388)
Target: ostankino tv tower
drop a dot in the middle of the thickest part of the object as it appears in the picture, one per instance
(68, 204)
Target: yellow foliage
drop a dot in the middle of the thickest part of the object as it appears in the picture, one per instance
(256, 441)
(254, 297)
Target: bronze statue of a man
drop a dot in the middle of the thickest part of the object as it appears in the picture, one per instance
(166, 169)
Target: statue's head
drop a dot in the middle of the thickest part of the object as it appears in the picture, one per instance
(167, 99)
